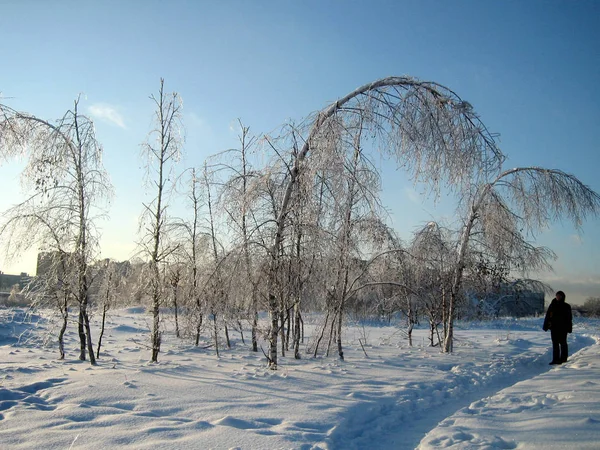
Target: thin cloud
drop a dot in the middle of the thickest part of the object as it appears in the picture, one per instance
(576, 239)
(199, 133)
(412, 195)
(577, 287)
(107, 113)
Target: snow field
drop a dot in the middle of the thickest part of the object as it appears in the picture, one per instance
(495, 391)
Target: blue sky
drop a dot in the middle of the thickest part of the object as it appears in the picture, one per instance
(530, 69)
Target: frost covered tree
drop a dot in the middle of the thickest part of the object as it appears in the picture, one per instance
(66, 189)
(430, 131)
(306, 252)
(432, 262)
(53, 288)
(190, 235)
(207, 278)
(502, 208)
(215, 290)
(299, 250)
(161, 151)
(236, 199)
(354, 224)
(174, 278)
(110, 279)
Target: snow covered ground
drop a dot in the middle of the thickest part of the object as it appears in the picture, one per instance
(496, 391)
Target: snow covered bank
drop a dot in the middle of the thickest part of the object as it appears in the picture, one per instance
(557, 409)
(394, 398)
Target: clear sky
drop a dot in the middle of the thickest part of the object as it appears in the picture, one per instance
(529, 68)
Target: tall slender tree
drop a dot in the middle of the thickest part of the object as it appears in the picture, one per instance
(162, 151)
(236, 198)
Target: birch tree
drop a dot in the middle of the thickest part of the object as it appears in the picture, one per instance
(431, 132)
(502, 211)
(306, 251)
(53, 288)
(191, 237)
(236, 198)
(161, 151)
(112, 277)
(353, 187)
(66, 190)
(432, 262)
(215, 286)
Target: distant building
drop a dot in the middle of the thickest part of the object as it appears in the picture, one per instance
(509, 301)
(521, 304)
(7, 281)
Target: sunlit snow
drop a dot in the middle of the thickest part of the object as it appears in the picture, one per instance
(496, 391)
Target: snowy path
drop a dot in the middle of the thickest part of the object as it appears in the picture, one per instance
(558, 409)
(402, 421)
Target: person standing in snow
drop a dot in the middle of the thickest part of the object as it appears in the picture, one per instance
(559, 320)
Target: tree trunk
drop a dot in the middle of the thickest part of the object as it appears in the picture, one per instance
(449, 338)
(216, 334)
(86, 322)
(456, 282)
(282, 331)
(198, 327)
(411, 323)
(255, 331)
(332, 329)
(176, 307)
(274, 317)
(101, 330)
(339, 331)
(431, 331)
(61, 333)
(155, 337)
(296, 335)
(228, 342)
(320, 338)
(81, 333)
(241, 332)
(444, 312)
(288, 330)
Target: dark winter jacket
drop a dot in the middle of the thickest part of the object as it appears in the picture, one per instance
(559, 317)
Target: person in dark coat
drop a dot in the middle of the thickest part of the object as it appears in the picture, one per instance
(559, 320)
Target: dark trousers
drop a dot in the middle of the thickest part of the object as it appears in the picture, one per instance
(560, 349)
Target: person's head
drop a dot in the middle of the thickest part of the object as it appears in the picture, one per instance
(560, 295)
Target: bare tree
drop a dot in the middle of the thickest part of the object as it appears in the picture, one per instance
(353, 221)
(111, 278)
(428, 128)
(236, 198)
(191, 238)
(432, 261)
(66, 187)
(162, 151)
(502, 212)
(174, 278)
(53, 288)
(306, 250)
(210, 276)
(217, 292)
